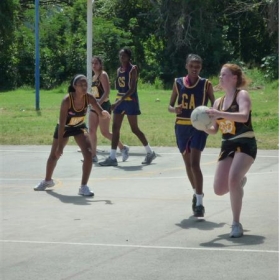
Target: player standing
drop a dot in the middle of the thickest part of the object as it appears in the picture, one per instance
(72, 123)
(101, 91)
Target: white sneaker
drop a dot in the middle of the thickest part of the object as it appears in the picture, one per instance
(237, 230)
(43, 185)
(125, 153)
(85, 191)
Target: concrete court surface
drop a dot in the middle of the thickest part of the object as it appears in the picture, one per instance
(139, 225)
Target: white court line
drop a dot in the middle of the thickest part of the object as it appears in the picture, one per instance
(127, 178)
(130, 178)
(141, 246)
(176, 153)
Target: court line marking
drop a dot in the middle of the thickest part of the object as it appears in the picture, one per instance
(141, 246)
(128, 178)
(163, 153)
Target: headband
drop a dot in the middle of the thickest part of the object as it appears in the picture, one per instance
(78, 77)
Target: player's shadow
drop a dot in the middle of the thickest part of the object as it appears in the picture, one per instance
(130, 168)
(77, 200)
(201, 224)
(246, 239)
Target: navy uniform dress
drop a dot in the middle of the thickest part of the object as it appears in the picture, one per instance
(130, 105)
(190, 97)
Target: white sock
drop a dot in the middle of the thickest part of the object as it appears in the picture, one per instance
(113, 154)
(199, 199)
(148, 149)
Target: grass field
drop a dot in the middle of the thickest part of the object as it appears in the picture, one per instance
(21, 124)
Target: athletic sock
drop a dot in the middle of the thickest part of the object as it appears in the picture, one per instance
(148, 149)
(113, 153)
(199, 199)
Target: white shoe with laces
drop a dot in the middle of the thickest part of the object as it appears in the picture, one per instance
(125, 153)
(237, 230)
(85, 191)
(43, 185)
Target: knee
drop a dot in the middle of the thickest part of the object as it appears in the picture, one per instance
(87, 154)
(195, 167)
(220, 189)
(135, 130)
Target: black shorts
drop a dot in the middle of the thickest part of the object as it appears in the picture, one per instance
(242, 145)
(71, 131)
(105, 106)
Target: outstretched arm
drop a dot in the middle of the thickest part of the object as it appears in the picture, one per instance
(96, 106)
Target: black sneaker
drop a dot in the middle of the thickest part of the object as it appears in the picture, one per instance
(199, 211)
(193, 202)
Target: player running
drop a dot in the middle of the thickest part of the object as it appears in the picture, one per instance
(190, 92)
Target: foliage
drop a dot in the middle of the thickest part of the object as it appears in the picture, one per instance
(270, 66)
(160, 34)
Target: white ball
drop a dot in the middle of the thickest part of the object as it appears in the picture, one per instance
(200, 119)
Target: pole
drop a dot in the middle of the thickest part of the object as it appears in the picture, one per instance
(89, 42)
(37, 56)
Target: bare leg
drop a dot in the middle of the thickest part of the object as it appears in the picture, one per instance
(186, 158)
(228, 177)
(195, 156)
(52, 160)
(117, 123)
(133, 122)
(85, 145)
(221, 186)
(104, 125)
(240, 165)
(93, 125)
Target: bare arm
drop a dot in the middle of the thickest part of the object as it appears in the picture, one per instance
(62, 120)
(210, 93)
(172, 108)
(214, 128)
(97, 108)
(244, 102)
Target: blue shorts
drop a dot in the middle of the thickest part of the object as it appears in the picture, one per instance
(130, 107)
(188, 138)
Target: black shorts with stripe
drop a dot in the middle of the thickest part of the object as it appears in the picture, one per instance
(241, 145)
(71, 131)
(105, 106)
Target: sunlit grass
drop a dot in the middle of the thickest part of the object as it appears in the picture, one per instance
(21, 124)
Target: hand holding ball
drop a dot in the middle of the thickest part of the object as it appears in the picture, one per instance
(200, 119)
